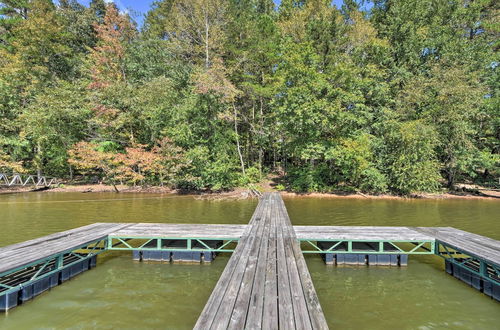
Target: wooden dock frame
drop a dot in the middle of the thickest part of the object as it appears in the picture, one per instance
(264, 249)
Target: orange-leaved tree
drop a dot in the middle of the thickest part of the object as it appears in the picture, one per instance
(89, 159)
(107, 58)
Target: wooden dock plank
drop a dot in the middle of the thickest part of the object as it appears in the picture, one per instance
(252, 282)
(20, 254)
(265, 289)
(163, 230)
(360, 233)
(316, 314)
(240, 285)
(8, 249)
(208, 314)
(479, 246)
(285, 303)
(270, 303)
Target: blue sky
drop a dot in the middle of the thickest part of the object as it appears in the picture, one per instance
(138, 8)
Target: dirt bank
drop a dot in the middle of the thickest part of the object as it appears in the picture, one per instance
(447, 195)
(241, 193)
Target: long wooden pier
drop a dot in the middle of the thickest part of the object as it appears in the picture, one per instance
(266, 283)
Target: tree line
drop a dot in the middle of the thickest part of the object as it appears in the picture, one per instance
(402, 97)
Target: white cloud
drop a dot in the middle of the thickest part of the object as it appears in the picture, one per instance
(120, 5)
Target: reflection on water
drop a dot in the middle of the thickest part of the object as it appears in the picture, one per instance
(120, 293)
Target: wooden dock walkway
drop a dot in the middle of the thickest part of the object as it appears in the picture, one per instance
(266, 284)
(482, 247)
(360, 233)
(164, 230)
(29, 252)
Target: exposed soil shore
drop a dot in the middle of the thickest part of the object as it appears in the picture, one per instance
(447, 195)
(242, 193)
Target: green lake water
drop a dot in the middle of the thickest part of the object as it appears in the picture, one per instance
(122, 294)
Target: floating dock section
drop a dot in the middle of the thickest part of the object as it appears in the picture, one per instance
(370, 246)
(176, 242)
(30, 268)
(471, 258)
(266, 283)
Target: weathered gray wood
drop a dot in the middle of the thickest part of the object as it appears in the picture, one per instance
(163, 230)
(250, 285)
(208, 314)
(285, 303)
(316, 314)
(237, 291)
(360, 233)
(270, 303)
(265, 288)
(300, 312)
(21, 254)
(255, 304)
(476, 245)
(8, 249)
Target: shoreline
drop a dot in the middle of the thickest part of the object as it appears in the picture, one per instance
(243, 193)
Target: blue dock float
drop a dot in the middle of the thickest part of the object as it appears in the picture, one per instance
(467, 272)
(26, 284)
(9, 300)
(178, 250)
(362, 253)
(30, 268)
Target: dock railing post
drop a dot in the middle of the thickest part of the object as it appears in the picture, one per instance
(349, 246)
(483, 269)
(60, 261)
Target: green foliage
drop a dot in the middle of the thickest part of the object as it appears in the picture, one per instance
(410, 158)
(308, 178)
(280, 187)
(252, 175)
(204, 172)
(354, 162)
(403, 98)
(55, 120)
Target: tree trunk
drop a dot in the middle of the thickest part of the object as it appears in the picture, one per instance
(451, 178)
(238, 139)
(207, 34)
(39, 161)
